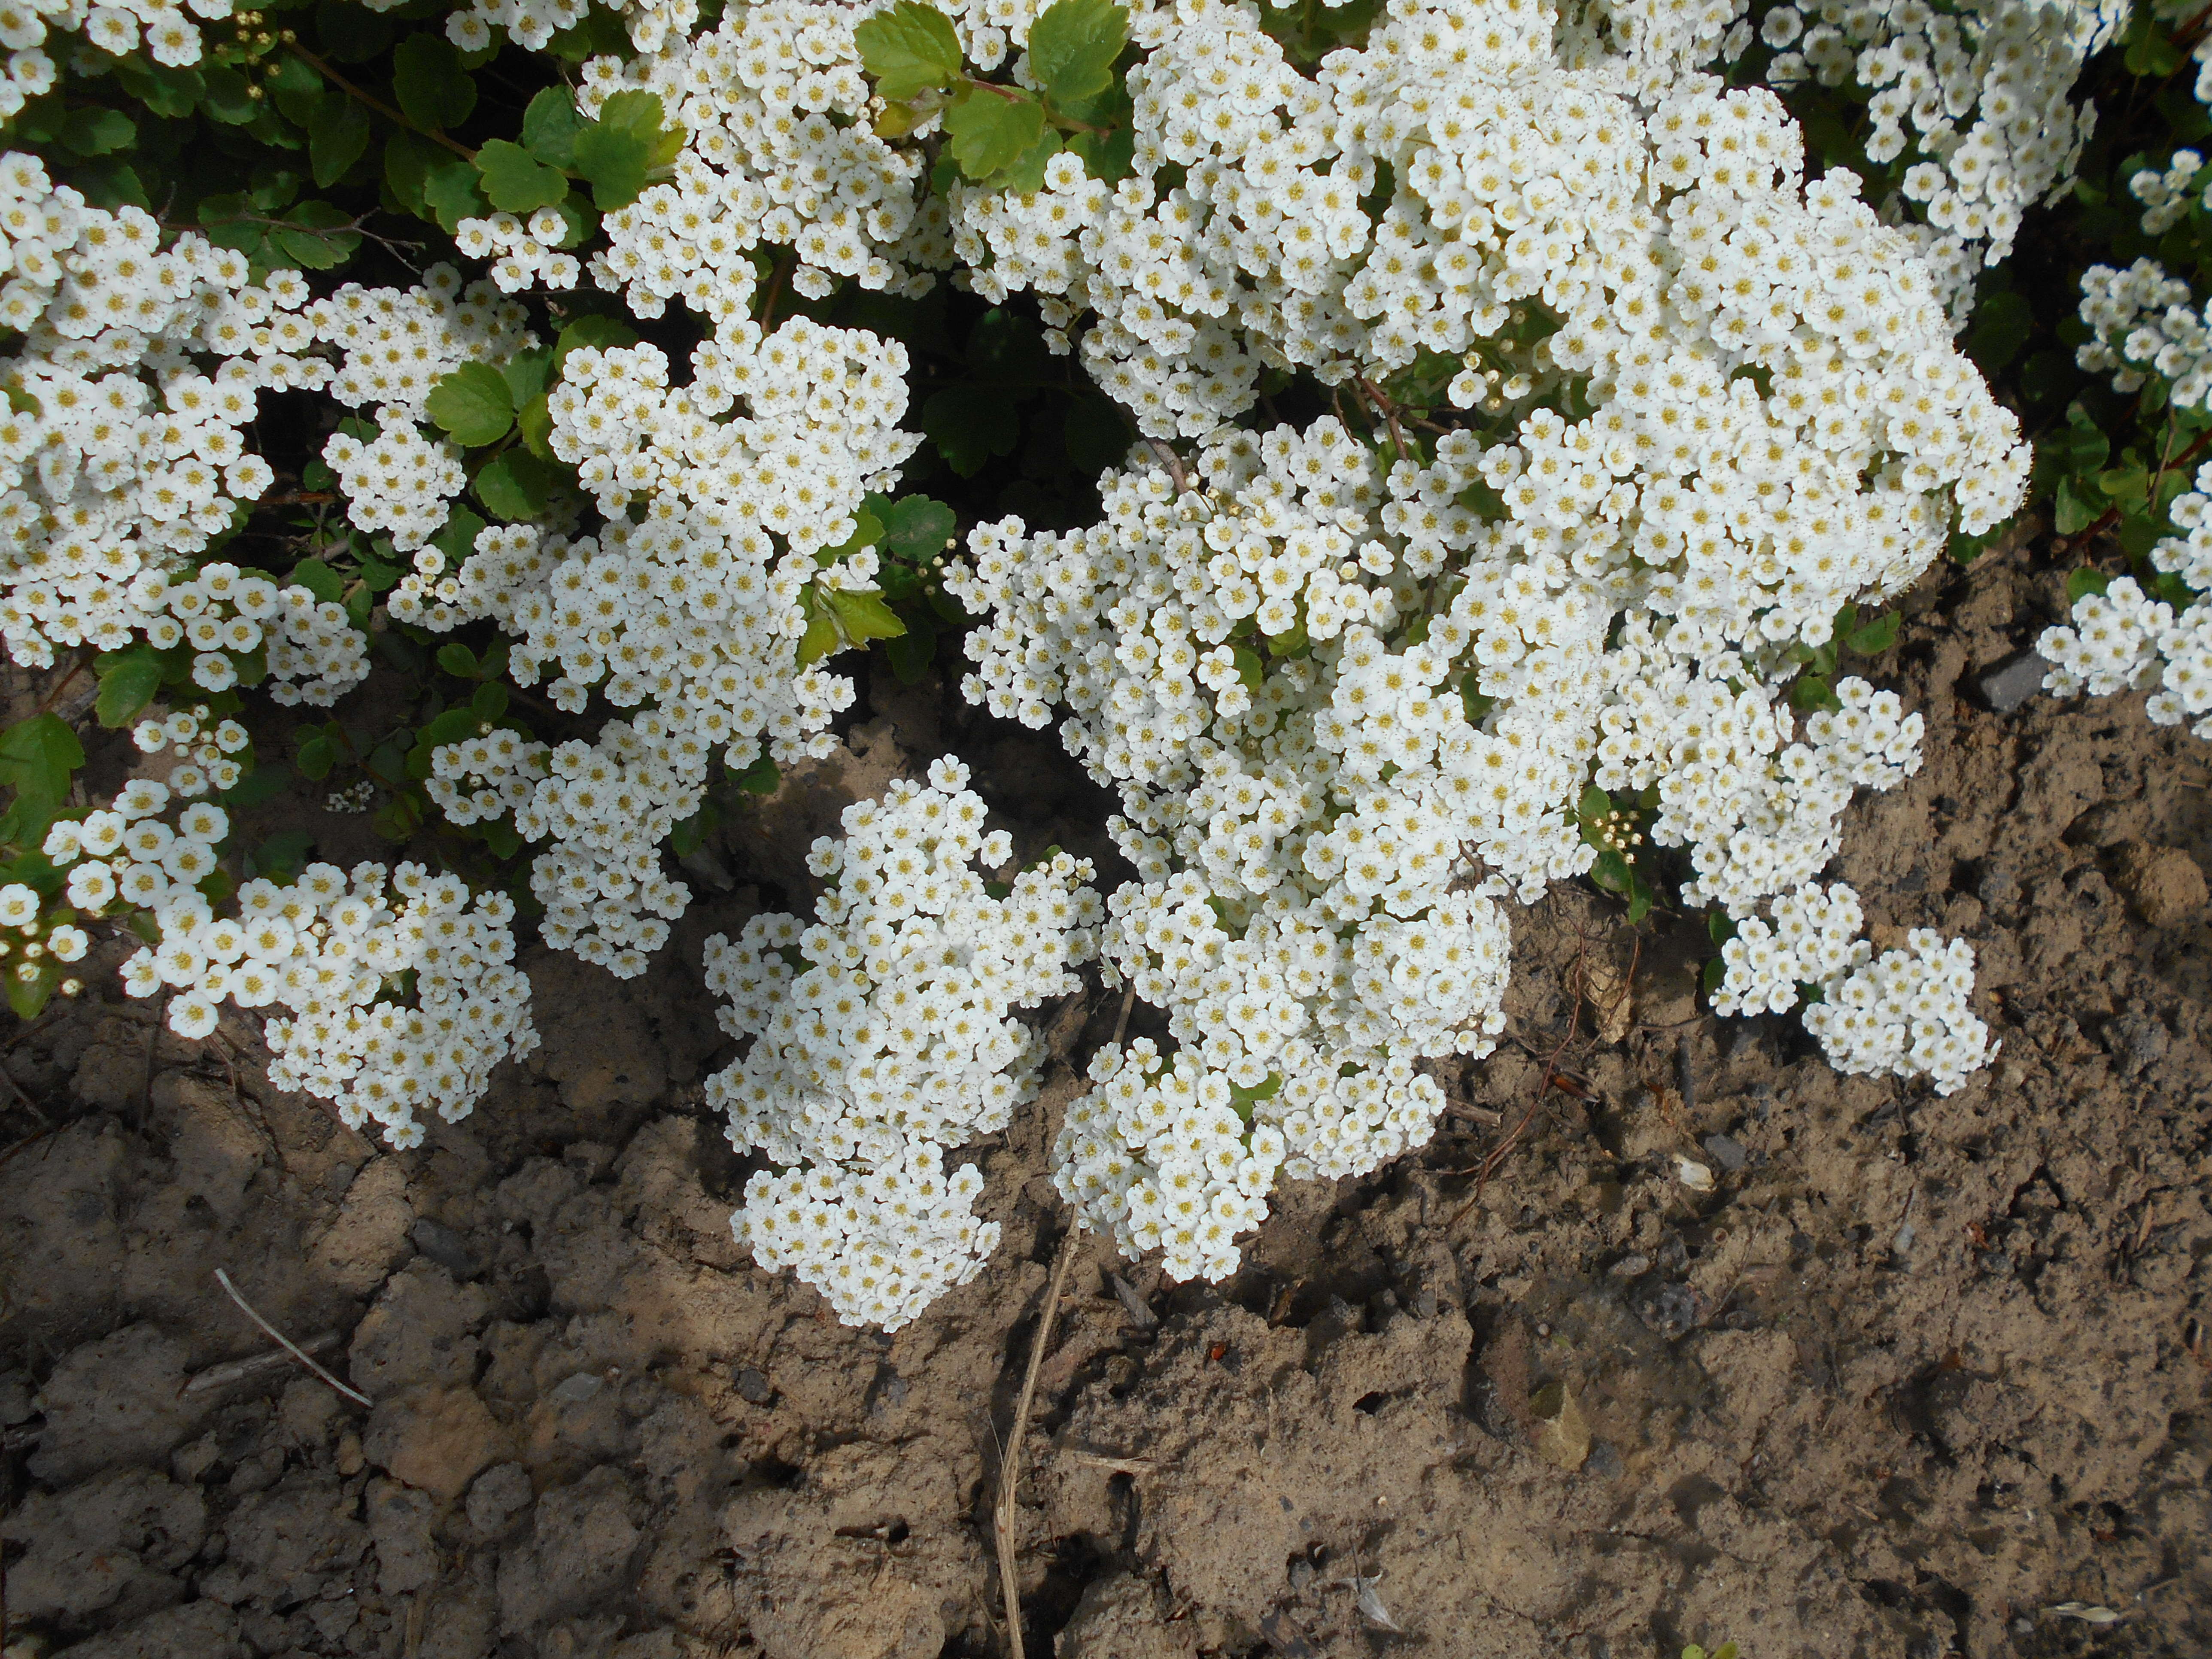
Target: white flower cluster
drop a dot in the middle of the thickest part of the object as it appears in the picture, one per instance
(881, 1037)
(332, 954)
(1904, 1013)
(203, 749)
(696, 607)
(1161, 1157)
(1759, 812)
(490, 777)
(117, 27)
(120, 452)
(522, 251)
(1809, 940)
(398, 481)
(311, 650)
(532, 24)
(2123, 640)
(1984, 87)
(2167, 197)
(778, 148)
(396, 344)
(132, 858)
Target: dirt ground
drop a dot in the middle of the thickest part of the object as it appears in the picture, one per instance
(1915, 1376)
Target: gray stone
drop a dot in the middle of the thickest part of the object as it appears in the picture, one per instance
(1728, 1153)
(2012, 682)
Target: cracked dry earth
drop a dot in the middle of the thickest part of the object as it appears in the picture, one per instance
(1912, 1374)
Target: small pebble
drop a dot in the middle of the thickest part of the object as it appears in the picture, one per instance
(1726, 1152)
(1696, 1176)
(752, 1386)
(2011, 684)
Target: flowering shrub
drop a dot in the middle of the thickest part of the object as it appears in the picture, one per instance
(1414, 454)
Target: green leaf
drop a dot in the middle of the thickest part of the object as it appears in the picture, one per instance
(38, 756)
(1025, 175)
(457, 660)
(260, 783)
(598, 332)
(1072, 46)
(336, 139)
(600, 34)
(317, 755)
(988, 130)
(458, 539)
(761, 778)
(516, 486)
(1876, 637)
(620, 150)
(348, 33)
(427, 78)
(472, 403)
(2069, 512)
(410, 159)
(534, 421)
(1593, 805)
(1109, 157)
(908, 48)
(517, 181)
(549, 127)
(450, 192)
(318, 579)
(970, 424)
(918, 529)
(228, 96)
(98, 131)
(128, 683)
(864, 617)
(821, 637)
(2002, 324)
(170, 92)
(2080, 584)
(614, 162)
(281, 857)
(1809, 692)
(28, 997)
(489, 701)
(525, 373)
(911, 652)
(1249, 669)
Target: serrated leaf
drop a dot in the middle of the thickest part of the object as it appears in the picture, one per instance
(917, 528)
(170, 92)
(594, 330)
(821, 637)
(1876, 637)
(319, 579)
(1072, 46)
(427, 78)
(1024, 174)
(457, 660)
(473, 404)
(864, 617)
(451, 193)
(549, 126)
(489, 701)
(127, 684)
(2069, 512)
(98, 131)
(988, 130)
(2080, 584)
(457, 539)
(911, 652)
(336, 136)
(515, 180)
(516, 486)
(526, 374)
(908, 49)
(614, 162)
(38, 756)
(227, 95)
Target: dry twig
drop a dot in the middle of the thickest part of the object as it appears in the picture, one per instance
(222, 1278)
(1010, 1462)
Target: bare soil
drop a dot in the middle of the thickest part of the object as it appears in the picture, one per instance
(1914, 1376)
